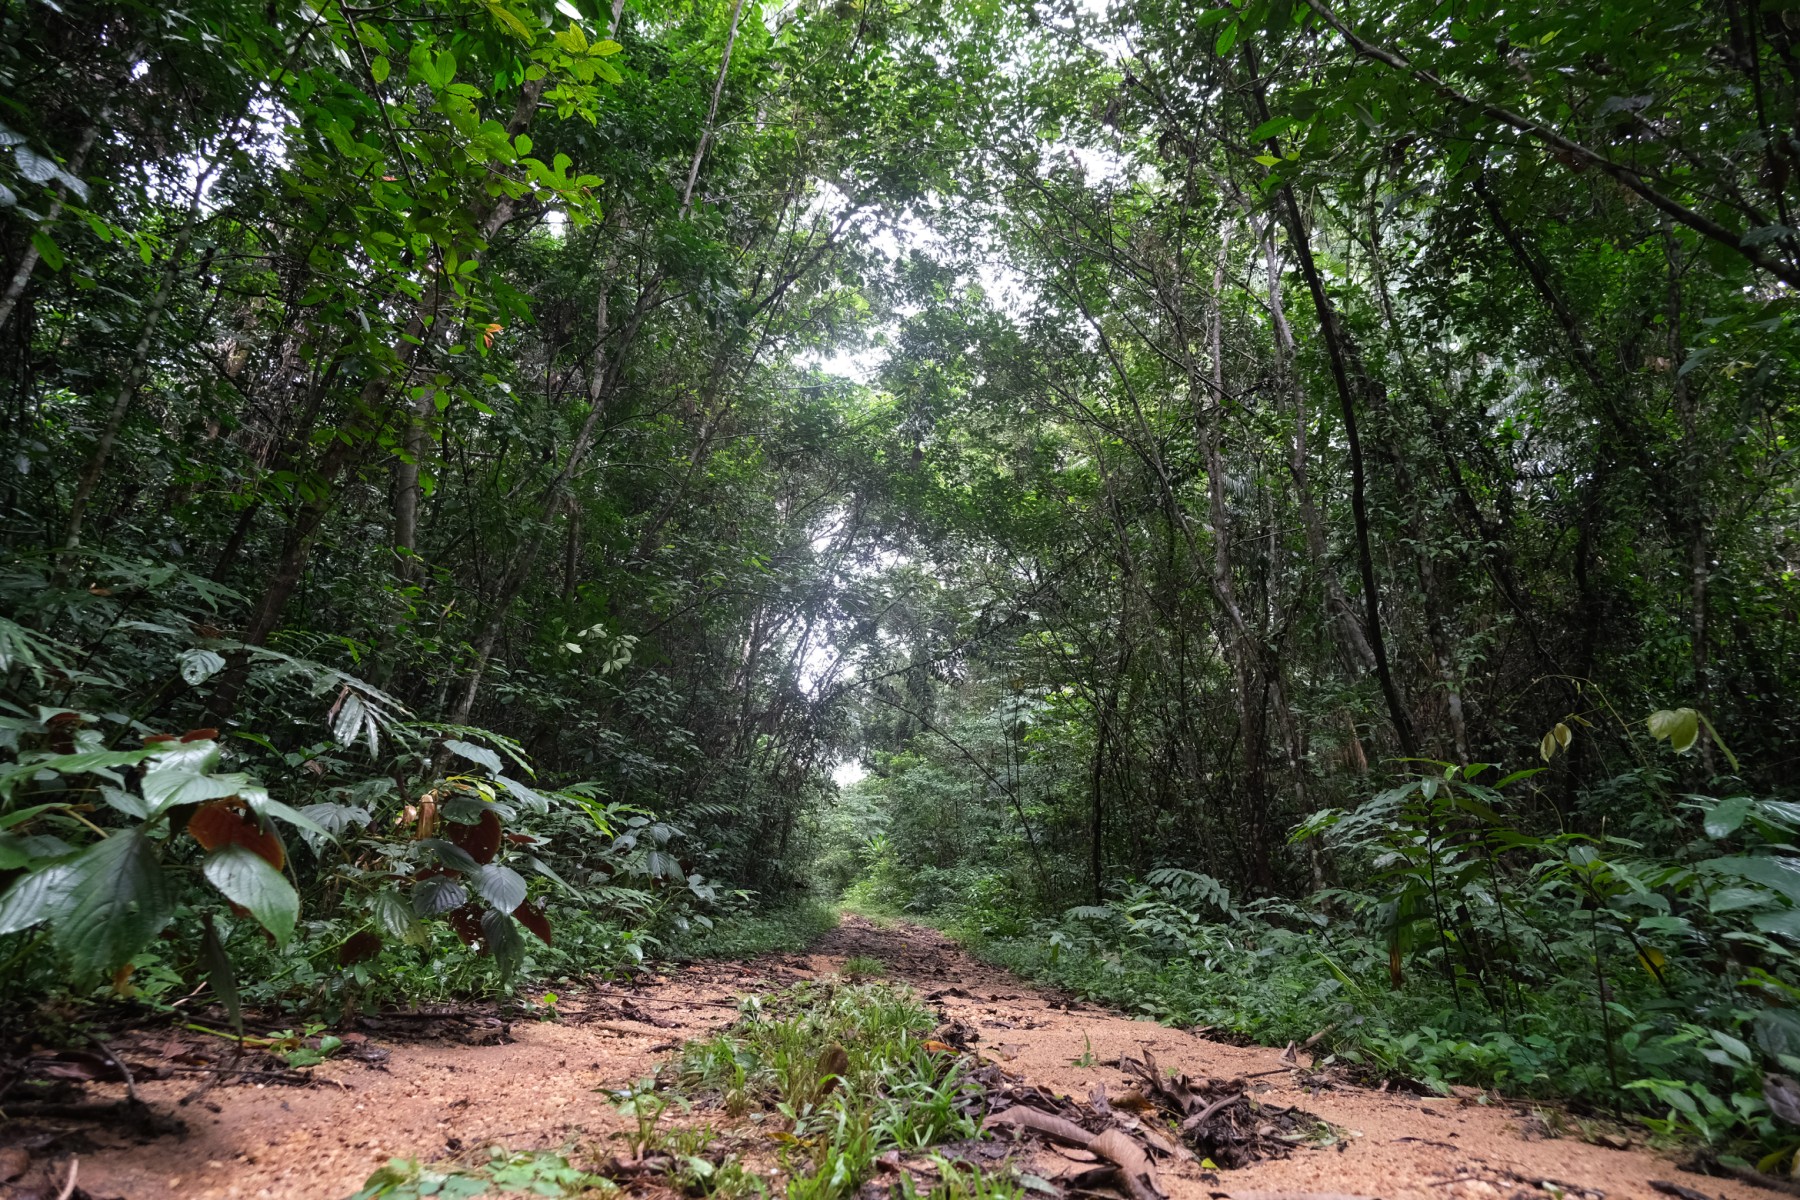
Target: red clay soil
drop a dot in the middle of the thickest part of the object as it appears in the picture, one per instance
(441, 1100)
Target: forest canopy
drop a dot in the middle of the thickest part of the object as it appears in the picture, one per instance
(1288, 506)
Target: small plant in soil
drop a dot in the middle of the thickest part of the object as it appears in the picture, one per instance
(645, 1104)
(531, 1173)
(860, 967)
(848, 1068)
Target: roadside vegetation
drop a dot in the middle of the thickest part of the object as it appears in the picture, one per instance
(1293, 506)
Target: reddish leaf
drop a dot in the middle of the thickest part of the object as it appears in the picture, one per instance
(200, 735)
(228, 823)
(466, 921)
(62, 727)
(360, 948)
(533, 918)
(481, 840)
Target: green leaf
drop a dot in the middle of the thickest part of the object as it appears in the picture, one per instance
(1227, 39)
(126, 802)
(543, 868)
(475, 754)
(25, 814)
(48, 250)
(1732, 1046)
(438, 895)
(263, 806)
(501, 933)
(247, 878)
(219, 975)
(1273, 127)
(1680, 727)
(91, 762)
(379, 68)
(197, 666)
(392, 915)
(1268, 160)
(44, 895)
(1778, 874)
(121, 900)
(1726, 816)
(451, 855)
(1734, 899)
(531, 799)
(500, 886)
(181, 774)
(1786, 922)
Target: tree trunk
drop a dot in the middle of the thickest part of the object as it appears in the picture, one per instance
(1352, 642)
(1347, 365)
(415, 444)
(21, 276)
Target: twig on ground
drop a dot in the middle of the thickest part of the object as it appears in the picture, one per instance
(68, 1187)
(131, 1092)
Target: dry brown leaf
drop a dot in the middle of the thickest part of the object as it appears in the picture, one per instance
(1134, 1164)
(834, 1064)
(1044, 1123)
(1075, 1153)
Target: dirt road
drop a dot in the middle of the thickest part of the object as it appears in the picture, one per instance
(545, 1088)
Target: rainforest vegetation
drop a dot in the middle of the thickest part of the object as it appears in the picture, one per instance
(1276, 514)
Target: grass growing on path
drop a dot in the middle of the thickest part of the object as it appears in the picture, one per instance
(786, 930)
(849, 1068)
(836, 1072)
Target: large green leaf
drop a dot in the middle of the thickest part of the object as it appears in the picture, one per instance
(263, 806)
(500, 886)
(91, 762)
(438, 895)
(41, 896)
(121, 900)
(1680, 727)
(25, 814)
(451, 855)
(530, 798)
(1726, 816)
(475, 754)
(247, 878)
(392, 916)
(1778, 874)
(501, 933)
(182, 774)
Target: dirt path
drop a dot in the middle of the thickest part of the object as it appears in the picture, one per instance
(545, 1089)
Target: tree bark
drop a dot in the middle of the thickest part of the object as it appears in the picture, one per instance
(21, 276)
(712, 111)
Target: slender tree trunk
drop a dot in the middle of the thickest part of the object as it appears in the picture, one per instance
(1345, 366)
(1250, 691)
(712, 111)
(415, 445)
(1699, 541)
(21, 276)
(1350, 637)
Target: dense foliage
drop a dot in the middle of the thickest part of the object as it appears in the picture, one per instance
(1246, 421)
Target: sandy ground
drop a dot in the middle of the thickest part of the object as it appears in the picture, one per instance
(546, 1089)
